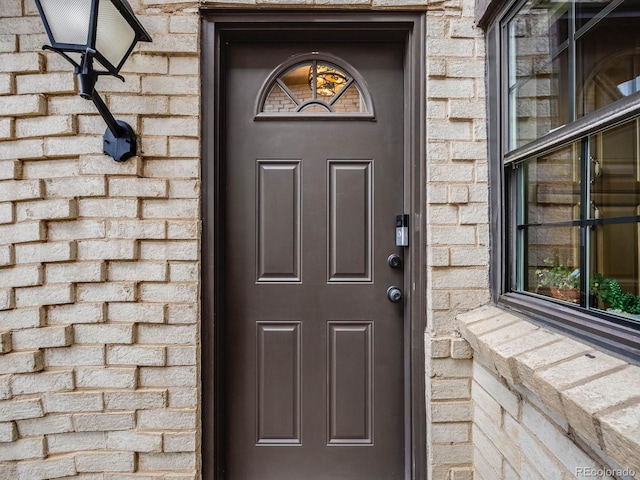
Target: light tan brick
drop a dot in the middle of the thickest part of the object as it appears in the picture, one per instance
(45, 83)
(549, 382)
(23, 105)
(141, 399)
(103, 334)
(185, 126)
(76, 272)
(28, 148)
(23, 449)
(50, 424)
(22, 318)
(58, 209)
(166, 334)
(184, 272)
(8, 43)
(169, 292)
(170, 85)
(6, 124)
(76, 187)
(21, 362)
(181, 356)
(6, 213)
(21, 62)
(75, 355)
(63, 402)
(21, 276)
(620, 434)
(166, 419)
(175, 376)
(107, 250)
(43, 337)
(12, 190)
(45, 252)
(112, 377)
(137, 229)
(76, 441)
(7, 299)
(166, 461)
(107, 292)
(138, 272)
(11, 410)
(77, 229)
(143, 63)
(50, 294)
(134, 441)
(47, 468)
(6, 255)
(103, 422)
(170, 250)
(180, 442)
(76, 313)
(47, 169)
(136, 355)
(185, 168)
(8, 432)
(105, 462)
(183, 230)
(42, 382)
(138, 187)
(136, 312)
(583, 402)
(182, 314)
(10, 169)
(45, 126)
(98, 164)
(184, 189)
(147, 105)
(108, 208)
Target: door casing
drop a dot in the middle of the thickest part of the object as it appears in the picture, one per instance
(282, 25)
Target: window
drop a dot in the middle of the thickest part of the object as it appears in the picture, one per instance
(317, 84)
(564, 106)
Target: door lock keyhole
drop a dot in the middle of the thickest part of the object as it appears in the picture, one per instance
(394, 294)
(394, 261)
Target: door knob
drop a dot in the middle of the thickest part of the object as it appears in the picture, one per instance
(394, 294)
(394, 261)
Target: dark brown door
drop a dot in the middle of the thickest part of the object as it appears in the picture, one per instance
(313, 348)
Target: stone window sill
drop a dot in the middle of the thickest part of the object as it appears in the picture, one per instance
(598, 395)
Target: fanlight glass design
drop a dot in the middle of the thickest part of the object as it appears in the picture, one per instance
(315, 87)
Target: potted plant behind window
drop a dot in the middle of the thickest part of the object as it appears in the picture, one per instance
(563, 281)
(610, 292)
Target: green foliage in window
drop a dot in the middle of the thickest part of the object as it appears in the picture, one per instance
(558, 275)
(610, 292)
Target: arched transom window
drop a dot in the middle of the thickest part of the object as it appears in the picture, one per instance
(314, 85)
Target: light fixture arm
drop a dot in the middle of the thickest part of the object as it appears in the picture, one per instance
(119, 138)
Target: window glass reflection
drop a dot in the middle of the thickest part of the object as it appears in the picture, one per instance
(608, 56)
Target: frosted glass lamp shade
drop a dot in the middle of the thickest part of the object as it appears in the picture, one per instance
(107, 26)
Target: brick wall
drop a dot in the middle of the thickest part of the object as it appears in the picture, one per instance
(546, 406)
(99, 261)
(457, 250)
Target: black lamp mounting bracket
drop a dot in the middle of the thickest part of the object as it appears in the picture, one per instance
(119, 138)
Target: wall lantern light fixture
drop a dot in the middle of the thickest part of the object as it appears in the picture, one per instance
(102, 30)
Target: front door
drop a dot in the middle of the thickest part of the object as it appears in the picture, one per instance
(312, 180)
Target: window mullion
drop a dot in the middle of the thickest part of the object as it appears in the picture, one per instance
(585, 208)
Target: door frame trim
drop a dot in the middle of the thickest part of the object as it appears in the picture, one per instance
(368, 26)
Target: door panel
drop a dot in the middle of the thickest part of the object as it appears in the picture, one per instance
(314, 350)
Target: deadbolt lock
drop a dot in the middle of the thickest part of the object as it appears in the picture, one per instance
(394, 261)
